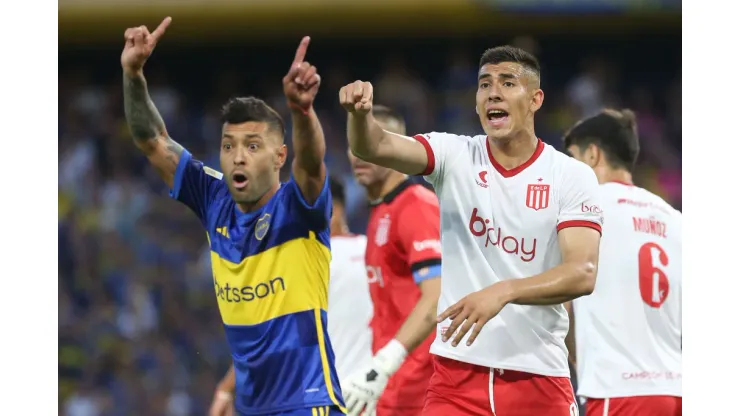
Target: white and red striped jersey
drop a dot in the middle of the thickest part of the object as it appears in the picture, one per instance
(500, 224)
(628, 331)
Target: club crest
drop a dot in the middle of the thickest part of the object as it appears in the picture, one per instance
(538, 196)
(263, 224)
(381, 233)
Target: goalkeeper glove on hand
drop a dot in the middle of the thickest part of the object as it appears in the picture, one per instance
(363, 389)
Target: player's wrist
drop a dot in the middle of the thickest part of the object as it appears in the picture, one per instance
(296, 108)
(391, 356)
(225, 387)
(508, 290)
(133, 72)
(224, 395)
(357, 117)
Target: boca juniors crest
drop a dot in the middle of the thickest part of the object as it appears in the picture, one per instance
(381, 232)
(538, 196)
(260, 229)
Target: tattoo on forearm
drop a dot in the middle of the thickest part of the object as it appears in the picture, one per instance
(174, 151)
(142, 116)
(171, 158)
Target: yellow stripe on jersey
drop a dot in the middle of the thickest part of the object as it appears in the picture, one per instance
(285, 279)
(325, 360)
(320, 411)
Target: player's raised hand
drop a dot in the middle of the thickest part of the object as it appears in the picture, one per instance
(140, 44)
(473, 311)
(357, 97)
(301, 83)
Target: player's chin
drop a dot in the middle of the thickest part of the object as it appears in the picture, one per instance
(498, 132)
(240, 194)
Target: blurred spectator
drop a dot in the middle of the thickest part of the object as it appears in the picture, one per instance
(588, 90)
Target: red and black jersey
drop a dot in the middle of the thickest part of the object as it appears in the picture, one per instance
(403, 249)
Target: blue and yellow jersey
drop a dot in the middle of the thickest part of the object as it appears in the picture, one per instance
(271, 276)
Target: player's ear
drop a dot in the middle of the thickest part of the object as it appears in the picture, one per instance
(281, 154)
(538, 97)
(593, 155)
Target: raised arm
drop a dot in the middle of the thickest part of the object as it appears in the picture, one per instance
(371, 143)
(144, 121)
(300, 86)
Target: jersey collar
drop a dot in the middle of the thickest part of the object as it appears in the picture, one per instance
(508, 173)
(390, 196)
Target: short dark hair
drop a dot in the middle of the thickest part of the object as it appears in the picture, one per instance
(244, 109)
(337, 190)
(613, 131)
(508, 53)
(386, 113)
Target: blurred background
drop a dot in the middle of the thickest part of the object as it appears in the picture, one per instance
(139, 331)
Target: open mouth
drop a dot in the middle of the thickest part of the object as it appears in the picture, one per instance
(497, 117)
(239, 180)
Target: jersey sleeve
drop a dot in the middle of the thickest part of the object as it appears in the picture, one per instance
(440, 148)
(317, 214)
(580, 204)
(196, 185)
(418, 235)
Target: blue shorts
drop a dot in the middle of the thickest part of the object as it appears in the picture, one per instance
(312, 411)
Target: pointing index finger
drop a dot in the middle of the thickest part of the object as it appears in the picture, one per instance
(300, 53)
(159, 31)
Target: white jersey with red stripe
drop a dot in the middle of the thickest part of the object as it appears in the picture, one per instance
(350, 307)
(500, 224)
(628, 332)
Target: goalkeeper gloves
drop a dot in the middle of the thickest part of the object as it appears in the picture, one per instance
(363, 389)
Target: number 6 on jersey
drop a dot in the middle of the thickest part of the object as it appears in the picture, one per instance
(654, 286)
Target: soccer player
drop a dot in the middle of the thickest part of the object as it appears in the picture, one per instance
(403, 268)
(520, 235)
(628, 332)
(350, 307)
(269, 240)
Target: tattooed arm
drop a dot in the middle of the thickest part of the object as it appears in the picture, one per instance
(148, 129)
(144, 121)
